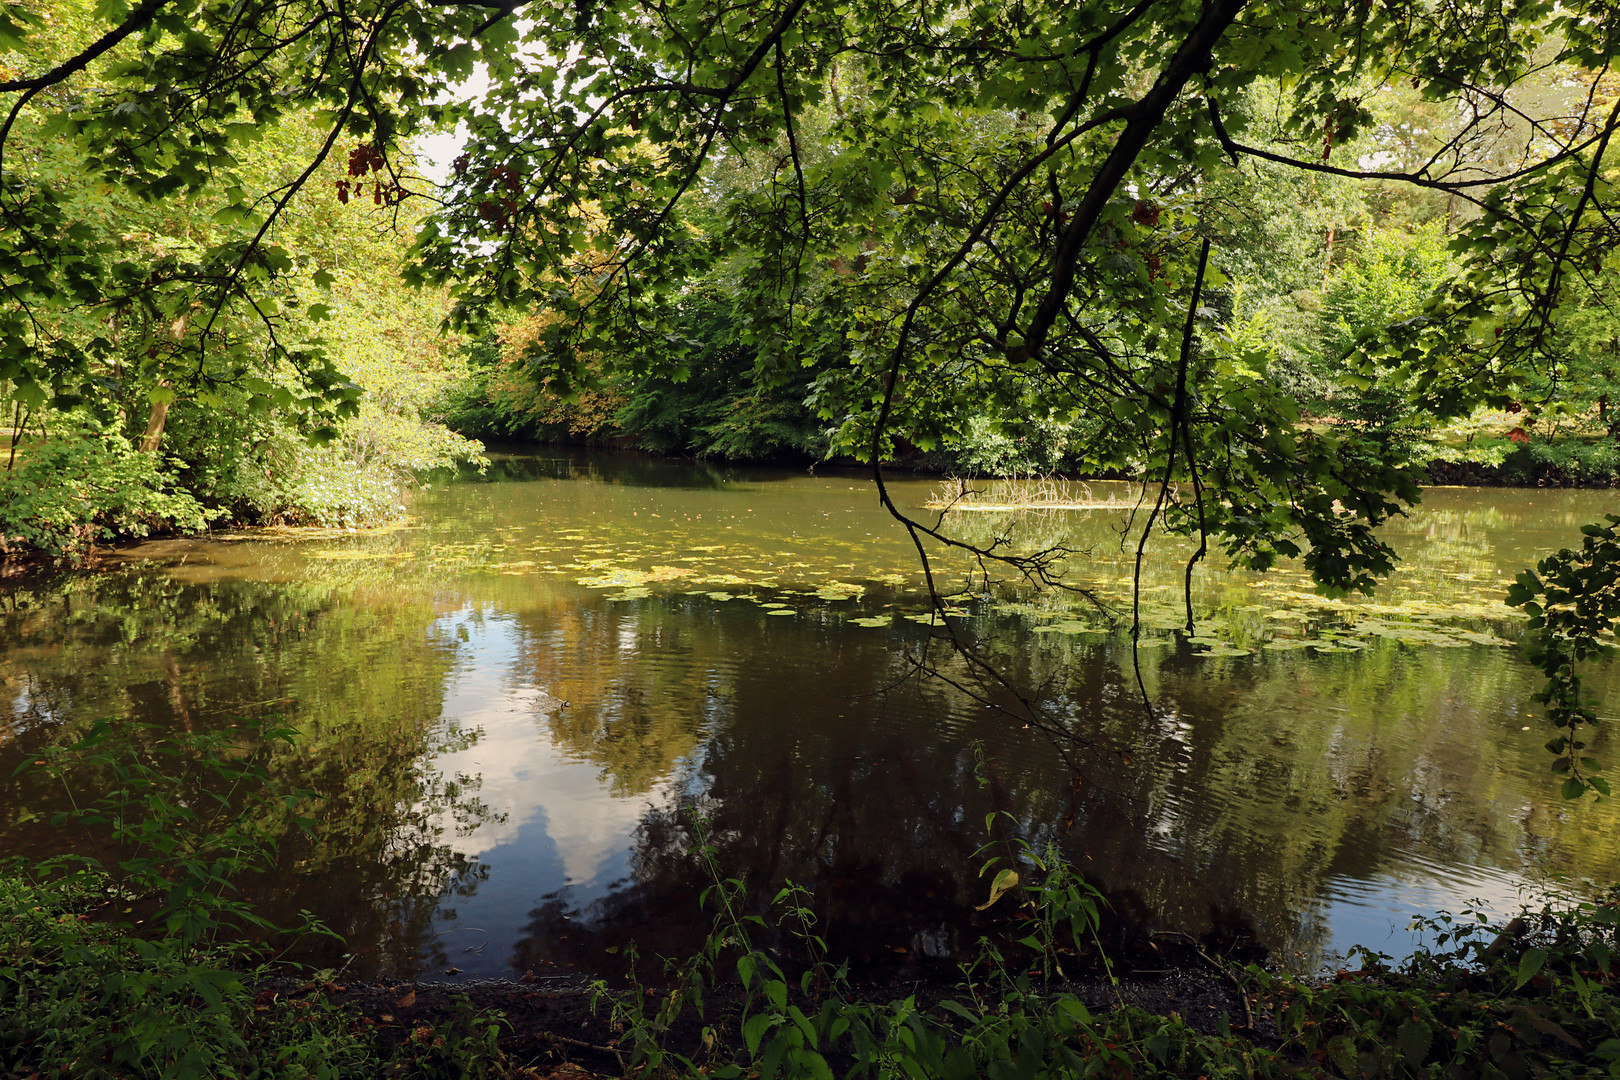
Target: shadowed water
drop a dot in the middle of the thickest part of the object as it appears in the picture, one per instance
(513, 707)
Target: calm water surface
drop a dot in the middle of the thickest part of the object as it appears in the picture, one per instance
(515, 707)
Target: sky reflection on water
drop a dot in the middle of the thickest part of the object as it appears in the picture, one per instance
(514, 706)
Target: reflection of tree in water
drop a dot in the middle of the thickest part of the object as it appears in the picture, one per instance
(1254, 784)
(379, 859)
(1258, 780)
(351, 671)
(878, 811)
(627, 468)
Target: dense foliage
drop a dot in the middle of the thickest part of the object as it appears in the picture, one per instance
(1271, 258)
(1152, 239)
(1532, 998)
(164, 364)
(972, 225)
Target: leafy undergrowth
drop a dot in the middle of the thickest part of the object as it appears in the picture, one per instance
(81, 997)
(88, 990)
(1536, 998)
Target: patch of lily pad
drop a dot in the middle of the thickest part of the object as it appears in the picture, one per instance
(1453, 603)
(355, 555)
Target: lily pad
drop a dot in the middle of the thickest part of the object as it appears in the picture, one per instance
(1481, 639)
(1224, 650)
(625, 577)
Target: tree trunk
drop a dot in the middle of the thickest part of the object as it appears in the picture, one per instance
(19, 423)
(154, 427)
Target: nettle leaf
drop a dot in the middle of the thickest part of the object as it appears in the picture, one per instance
(1414, 1038)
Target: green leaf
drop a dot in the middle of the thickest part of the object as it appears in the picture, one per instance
(1415, 1038)
(755, 1027)
(1530, 963)
(13, 32)
(234, 214)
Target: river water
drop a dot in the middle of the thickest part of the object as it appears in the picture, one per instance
(519, 710)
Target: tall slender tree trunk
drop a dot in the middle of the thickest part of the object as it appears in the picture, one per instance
(160, 406)
(19, 423)
(154, 427)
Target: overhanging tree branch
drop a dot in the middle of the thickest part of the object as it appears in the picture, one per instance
(134, 22)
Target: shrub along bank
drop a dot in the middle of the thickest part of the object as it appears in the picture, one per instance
(81, 996)
(139, 969)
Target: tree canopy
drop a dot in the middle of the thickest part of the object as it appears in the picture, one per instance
(1007, 202)
(924, 215)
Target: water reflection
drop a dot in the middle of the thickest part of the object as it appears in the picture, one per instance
(514, 707)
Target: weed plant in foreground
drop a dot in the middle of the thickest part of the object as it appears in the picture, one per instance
(87, 991)
(1535, 998)
(152, 965)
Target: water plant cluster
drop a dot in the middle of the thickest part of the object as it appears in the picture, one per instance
(1455, 602)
